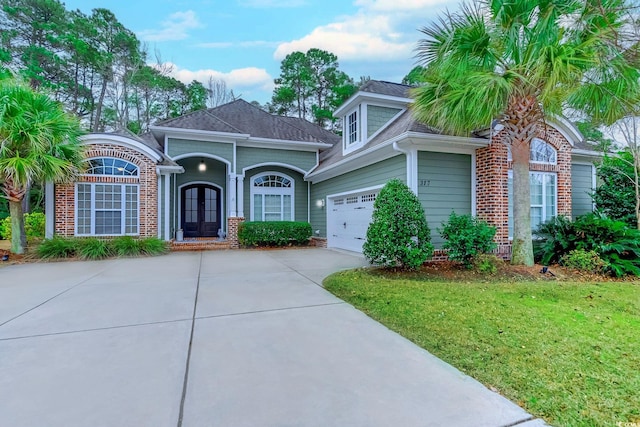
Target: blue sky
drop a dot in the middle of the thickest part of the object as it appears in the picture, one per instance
(244, 41)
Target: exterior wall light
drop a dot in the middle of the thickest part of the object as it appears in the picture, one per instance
(320, 203)
(202, 166)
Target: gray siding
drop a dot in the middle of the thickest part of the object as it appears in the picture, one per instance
(378, 117)
(248, 156)
(444, 185)
(377, 174)
(178, 147)
(301, 192)
(581, 186)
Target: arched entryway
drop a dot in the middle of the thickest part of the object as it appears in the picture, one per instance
(201, 213)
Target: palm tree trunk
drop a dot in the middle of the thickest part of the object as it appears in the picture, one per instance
(18, 235)
(522, 249)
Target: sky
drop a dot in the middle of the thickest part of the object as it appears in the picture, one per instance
(244, 41)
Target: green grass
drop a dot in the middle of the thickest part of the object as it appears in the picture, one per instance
(567, 352)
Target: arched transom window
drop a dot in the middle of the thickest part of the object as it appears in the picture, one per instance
(539, 152)
(542, 152)
(272, 197)
(111, 166)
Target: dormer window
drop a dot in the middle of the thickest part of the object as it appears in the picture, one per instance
(353, 136)
(352, 128)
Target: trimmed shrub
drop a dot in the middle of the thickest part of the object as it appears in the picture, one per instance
(466, 238)
(617, 244)
(399, 235)
(34, 225)
(57, 247)
(274, 233)
(126, 246)
(583, 260)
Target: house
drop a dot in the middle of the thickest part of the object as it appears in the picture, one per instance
(207, 171)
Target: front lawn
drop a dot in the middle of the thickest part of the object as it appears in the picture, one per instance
(568, 352)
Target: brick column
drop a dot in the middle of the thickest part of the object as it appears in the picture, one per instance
(232, 231)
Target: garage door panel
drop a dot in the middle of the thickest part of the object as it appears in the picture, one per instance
(349, 219)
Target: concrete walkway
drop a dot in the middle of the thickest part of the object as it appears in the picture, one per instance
(227, 338)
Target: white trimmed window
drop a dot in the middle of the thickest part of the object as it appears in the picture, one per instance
(352, 128)
(111, 167)
(539, 152)
(272, 197)
(108, 209)
(543, 187)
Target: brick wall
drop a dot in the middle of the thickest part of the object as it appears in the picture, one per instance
(232, 231)
(492, 183)
(148, 190)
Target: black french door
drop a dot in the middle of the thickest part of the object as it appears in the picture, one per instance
(200, 210)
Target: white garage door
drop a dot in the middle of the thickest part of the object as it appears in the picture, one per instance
(348, 217)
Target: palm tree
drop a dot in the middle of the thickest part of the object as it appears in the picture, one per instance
(518, 61)
(38, 142)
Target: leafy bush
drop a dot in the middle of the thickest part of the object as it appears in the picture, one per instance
(583, 260)
(617, 244)
(399, 235)
(57, 247)
(274, 233)
(487, 263)
(126, 246)
(5, 228)
(153, 246)
(34, 226)
(92, 248)
(467, 237)
(616, 194)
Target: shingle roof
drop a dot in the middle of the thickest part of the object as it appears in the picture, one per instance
(315, 130)
(386, 88)
(404, 123)
(241, 117)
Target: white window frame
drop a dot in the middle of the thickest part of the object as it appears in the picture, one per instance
(276, 191)
(544, 198)
(135, 175)
(351, 144)
(123, 210)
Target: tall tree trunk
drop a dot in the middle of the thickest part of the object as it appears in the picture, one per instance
(522, 119)
(96, 122)
(18, 235)
(522, 248)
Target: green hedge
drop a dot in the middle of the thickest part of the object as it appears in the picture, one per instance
(34, 225)
(274, 233)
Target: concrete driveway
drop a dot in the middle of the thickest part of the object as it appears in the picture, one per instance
(226, 338)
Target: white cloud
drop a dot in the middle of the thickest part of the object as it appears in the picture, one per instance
(250, 78)
(359, 37)
(272, 3)
(175, 27)
(381, 31)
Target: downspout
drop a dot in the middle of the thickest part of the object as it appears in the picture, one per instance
(412, 166)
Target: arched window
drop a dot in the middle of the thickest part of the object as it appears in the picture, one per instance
(111, 166)
(107, 208)
(539, 152)
(272, 197)
(542, 152)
